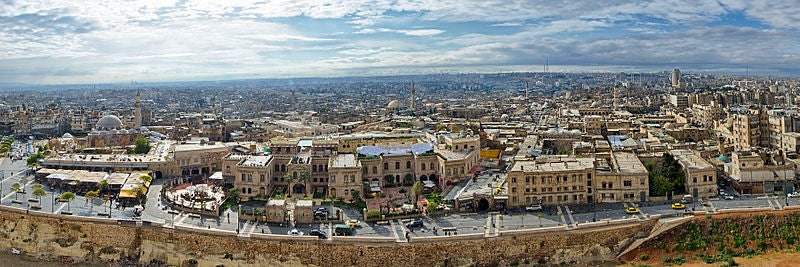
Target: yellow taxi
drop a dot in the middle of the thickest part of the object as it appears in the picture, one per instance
(632, 210)
(678, 206)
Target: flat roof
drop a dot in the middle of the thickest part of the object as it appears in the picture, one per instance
(257, 161)
(555, 165)
(689, 160)
(344, 161)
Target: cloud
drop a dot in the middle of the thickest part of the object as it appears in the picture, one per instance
(98, 41)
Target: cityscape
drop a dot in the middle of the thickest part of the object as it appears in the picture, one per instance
(515, 146)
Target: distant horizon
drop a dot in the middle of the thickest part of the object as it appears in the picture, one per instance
(120, 83)
(79, 42)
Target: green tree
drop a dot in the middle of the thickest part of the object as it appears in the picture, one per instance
(539, 215)
(91, 195)
(289, 178)
(15, 188)
(139, 190)
(660, 185)
(103, 186)
(67, 196)
(233, 195)
(33, 160)
(305, 177)
(417, 189)
(141, 145)
(39, 193)
(356, 196)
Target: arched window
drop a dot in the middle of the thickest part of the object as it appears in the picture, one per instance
(423, 166)
(432, 167)
(408, 164)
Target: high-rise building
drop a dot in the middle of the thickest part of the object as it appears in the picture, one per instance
(137, 111)
(413, 100)
(676, 77)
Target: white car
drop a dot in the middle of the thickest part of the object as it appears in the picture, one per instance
(295, 232)
(793, 194)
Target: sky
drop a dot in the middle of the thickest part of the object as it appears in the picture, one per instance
(101, 41)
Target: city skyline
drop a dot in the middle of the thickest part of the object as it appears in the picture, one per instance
(64, 42)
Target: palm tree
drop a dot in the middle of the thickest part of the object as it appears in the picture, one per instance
(91, 195)
(15, 189)
(417, 189)
(68, 196)
(36, 185)
(289, 178)
(305, 177)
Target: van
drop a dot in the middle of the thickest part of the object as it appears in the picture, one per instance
(342, 229)
(687, 199)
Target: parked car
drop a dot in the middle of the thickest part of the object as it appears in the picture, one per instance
(295, 232)
(534, 207)
(342, 230)
(320, 214)
(678, 206)
(415, 223)
(322, 209)
(318, 233)
(727, 197)
(793, 194)
(632, 210)
(353, 223)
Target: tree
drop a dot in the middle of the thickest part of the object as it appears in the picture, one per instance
(417, 189)
(139, 190)
(103, 186)
(356, 196)
(39, 193)
(289, 178)
(91, 195)
(33, 160)
(305, 177)
(23, 181)
(15, 189)
(522, 219)
(233, 195)
(141, 145)
(539, 215)
(67, 196)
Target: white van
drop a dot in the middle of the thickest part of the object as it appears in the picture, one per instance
(687, 199)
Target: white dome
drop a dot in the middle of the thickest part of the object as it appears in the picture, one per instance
(394, 104)
(109, 122)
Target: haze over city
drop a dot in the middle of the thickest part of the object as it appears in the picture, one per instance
(62, 42)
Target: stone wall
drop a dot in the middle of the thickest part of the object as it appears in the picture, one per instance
(50, 238)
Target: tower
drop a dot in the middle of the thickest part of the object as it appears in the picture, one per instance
(616, 97)
(676, 78)
(137, 112)
(526, 90)
(413, 100)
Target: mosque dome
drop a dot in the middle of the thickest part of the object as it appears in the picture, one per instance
(109, 122)
(394, 104)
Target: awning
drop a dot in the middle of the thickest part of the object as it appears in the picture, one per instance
(216, 176)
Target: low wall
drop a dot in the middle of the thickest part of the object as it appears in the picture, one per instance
(99, 240)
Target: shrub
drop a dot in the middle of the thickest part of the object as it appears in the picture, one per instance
(373, 214)
(644, 257)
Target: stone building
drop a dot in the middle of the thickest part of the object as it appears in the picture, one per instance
(701, 176)
(621, 177)
(752, 173)
(554, 180)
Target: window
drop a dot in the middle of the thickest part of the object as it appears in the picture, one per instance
(277, 168)
(249, 177)
(694, 179)
(385, 165)
(527, 179)
(513, 180)
(432, 167)
(397, 165)
(527, 190)
(333, 178)
(408, 164)
(374, 169)
(263, 178)
(313, 168)
(641, 181)
(228, 169)
(244, 177)
(610, 185)
(604, 185)
(513, 190)
(314, 180)
(423, 166)
(627, 183)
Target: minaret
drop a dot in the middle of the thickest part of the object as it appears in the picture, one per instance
(413, 102)
(616, 97)
(137, 112)
(526, 90)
